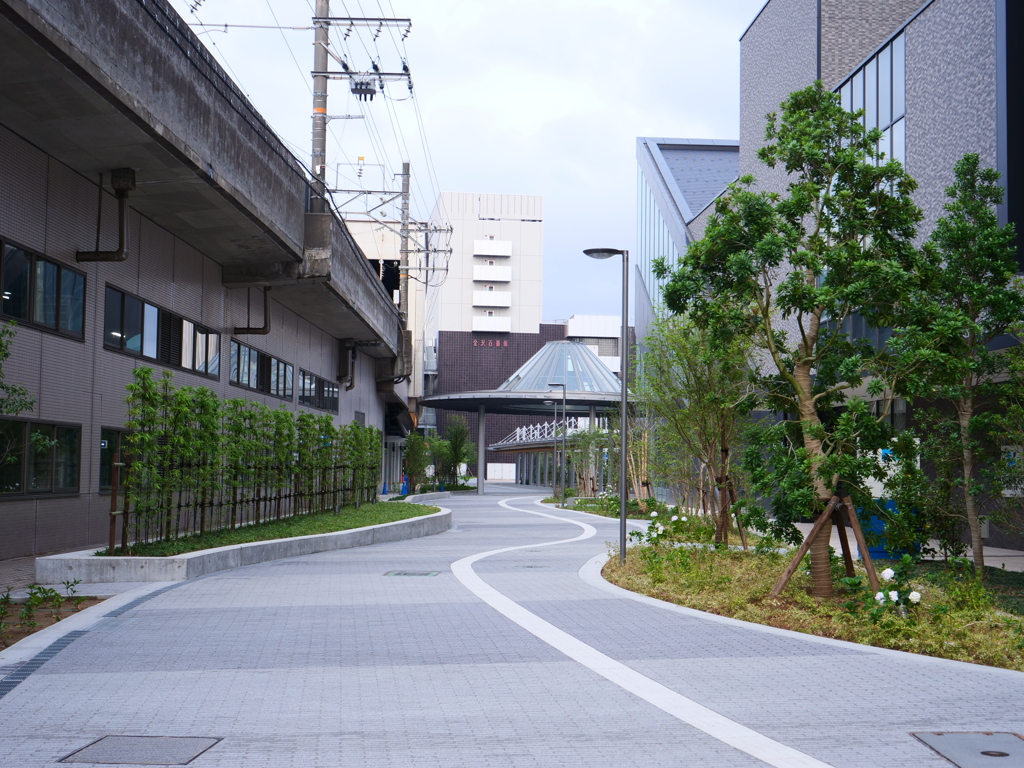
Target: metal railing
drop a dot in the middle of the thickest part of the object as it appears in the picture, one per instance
(546, 432)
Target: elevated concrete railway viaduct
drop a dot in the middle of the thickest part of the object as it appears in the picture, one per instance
(217, 217)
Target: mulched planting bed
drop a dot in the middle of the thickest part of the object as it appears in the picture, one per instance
(14, 628)
(957, 617)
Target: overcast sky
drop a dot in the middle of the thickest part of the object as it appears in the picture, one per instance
(541, 97)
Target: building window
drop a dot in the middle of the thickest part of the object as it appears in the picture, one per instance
(111, 444)
(317, 392)
(880, 89)
(360, 418)
(42, 293)
(138, 328)
(38, 458)
(253, 369)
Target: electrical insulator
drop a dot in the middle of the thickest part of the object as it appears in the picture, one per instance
(364, 89)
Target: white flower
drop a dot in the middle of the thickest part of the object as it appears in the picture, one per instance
(880, 597)
(888, 574)
(661, 528)
(684, 519)
(894, 595)
(914, 597)
(674, 518)
(654, 514)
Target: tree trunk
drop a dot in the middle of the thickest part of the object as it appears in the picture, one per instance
(722, 522)
(821, 567)
(965, 409)
(724, 502)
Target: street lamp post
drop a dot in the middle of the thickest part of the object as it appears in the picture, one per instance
(565, 421)
(605, 253)
(554, 450)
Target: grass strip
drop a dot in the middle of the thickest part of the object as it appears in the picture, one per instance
(300, 525)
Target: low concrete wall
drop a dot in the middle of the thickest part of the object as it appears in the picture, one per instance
(90, 568)
(419, 498)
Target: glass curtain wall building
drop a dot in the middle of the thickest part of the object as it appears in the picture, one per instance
(677, 179)
(880, 89)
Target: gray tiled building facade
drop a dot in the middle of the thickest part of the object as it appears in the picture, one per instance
(962, 87)
(220, 214)
(941, 78)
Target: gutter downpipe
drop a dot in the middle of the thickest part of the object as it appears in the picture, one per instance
(266, 318)
(123, 182)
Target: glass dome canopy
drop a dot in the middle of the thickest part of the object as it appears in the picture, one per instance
(568, 362)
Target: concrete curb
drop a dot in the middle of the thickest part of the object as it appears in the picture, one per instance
(88, 567)
(419, 498)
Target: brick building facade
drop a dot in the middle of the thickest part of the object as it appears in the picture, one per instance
(471, 362)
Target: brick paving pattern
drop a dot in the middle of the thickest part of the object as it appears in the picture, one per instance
(325, 661)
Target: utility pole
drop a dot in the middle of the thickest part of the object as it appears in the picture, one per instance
(403, 285)
(320, 51)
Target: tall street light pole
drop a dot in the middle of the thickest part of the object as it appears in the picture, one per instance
(565, 421)
(606, 253)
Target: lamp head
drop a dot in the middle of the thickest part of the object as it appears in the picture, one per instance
(603, 253)
(549, 402)
(556, 385)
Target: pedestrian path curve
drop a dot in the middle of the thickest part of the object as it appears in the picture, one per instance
(482, 646)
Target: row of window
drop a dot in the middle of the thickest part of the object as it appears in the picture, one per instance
(138, 328)
(880, 89)
(317, 392)
(42, 293)
(39, 292)
(257, 370)
(38, 458)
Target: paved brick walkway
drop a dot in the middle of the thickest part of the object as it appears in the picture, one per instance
(325, 660)
(17, 572)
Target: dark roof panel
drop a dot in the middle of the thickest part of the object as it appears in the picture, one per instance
(701, 173)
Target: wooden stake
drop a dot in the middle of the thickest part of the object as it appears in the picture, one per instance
(739, 525)
(795, 563)
(869, 566)
(840, 522)
(115, 467)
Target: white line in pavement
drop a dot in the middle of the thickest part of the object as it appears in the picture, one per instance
(665, 699)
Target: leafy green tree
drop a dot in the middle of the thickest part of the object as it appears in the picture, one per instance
(416, 459)
(587, 449)
(14, 398)
(440, 456)
(786, 271)
(447, 454)
(971, 297)
(699, 389)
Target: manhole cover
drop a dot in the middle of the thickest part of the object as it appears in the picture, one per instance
(973, 749)
(142, 750)
(412, 573)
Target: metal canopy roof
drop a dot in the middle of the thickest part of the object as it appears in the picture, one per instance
(588, 383)
(563, 362)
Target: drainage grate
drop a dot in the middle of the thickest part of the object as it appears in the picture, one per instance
(532, 566)
(142, 750)
(412, 573)
(978, 748)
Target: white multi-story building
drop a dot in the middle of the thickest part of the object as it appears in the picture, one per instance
(494, 281)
